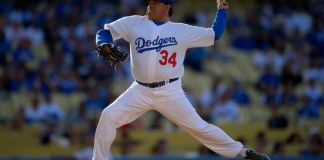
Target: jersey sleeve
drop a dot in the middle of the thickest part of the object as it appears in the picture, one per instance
(121, 28)
(198, 36)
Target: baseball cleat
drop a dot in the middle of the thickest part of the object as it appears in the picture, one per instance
(254, 155)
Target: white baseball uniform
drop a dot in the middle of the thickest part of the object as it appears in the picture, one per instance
(157, 53)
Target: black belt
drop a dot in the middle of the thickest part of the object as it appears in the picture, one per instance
(157, 84)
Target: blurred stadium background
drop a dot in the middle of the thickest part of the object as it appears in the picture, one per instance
(262, 83)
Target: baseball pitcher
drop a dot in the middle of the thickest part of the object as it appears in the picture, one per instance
(157, 51)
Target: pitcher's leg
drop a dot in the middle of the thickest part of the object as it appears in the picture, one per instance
(128, 107)
(183, 114)
(104, 137)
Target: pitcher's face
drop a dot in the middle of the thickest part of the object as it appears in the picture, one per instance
(156, 11)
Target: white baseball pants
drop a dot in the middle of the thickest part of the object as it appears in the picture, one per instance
(169, 100)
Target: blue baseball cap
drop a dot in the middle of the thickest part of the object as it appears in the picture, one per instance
(168, 2)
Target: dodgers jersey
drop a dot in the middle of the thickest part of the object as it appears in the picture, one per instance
(157, 52)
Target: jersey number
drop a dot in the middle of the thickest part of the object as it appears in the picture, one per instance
(166, 59)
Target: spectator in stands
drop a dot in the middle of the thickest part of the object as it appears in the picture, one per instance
(93, 102)
(295, 63)
(14, 31)
(322, 77)
(212, 94)
(316, 36)
(131, 3)
(279, 149)
(126, 143)
(35, 33)
(287, 96)
(261, 141)
(315, 144)
(243, 39)
(195, 58)
(50, 110)
(313, 71)
(23, 53)
(4, 80)
(42, 82)
(78, 114)
(76, 122)
(268, 84)
(262, 58)
(279, 52)
(295, 138)
(308, 109)
(157, 122)
(67, 82)
(277, 120)
(268, 79)
(47, 132)
(269, 96)
(17, 121)
(92, 125)
(204, 112)
(51, 117)
(288, 78)
(86, 150)
(21, 79)
(33, 113)
(5, 47)
(160, 148)
(302, 19)
(190, 18)
(83, 67)
(313, 91)
(239, 93)
(263, 40)
(226, 110)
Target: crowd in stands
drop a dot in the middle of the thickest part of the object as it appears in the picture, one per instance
(47, 47)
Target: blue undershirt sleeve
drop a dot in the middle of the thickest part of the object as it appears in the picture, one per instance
(219, 23)
(103, 36)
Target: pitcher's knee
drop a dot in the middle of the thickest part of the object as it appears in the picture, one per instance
(116, 117)
(201, 127)
(108, 115)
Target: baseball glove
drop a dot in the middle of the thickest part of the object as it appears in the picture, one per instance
(112, 53)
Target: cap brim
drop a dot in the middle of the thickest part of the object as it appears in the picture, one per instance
(159, 1)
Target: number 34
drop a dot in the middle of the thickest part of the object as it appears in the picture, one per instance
(166, 59)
